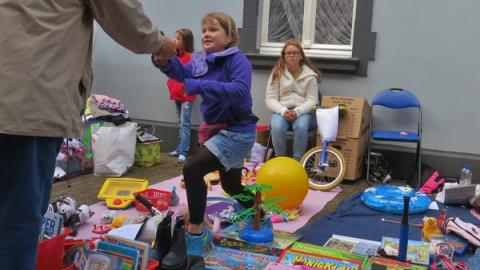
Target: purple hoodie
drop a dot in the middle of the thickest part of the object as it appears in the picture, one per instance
(223, 79)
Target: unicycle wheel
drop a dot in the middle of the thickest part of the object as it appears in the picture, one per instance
(324, 178)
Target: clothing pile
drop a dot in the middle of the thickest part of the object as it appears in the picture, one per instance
(107, 109)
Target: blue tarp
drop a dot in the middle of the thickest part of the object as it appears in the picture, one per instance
(353, 218)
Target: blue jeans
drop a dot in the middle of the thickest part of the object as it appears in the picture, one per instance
(280, 126)
(184, 113)
(26, 176)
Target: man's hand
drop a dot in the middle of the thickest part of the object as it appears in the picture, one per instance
(169, 50)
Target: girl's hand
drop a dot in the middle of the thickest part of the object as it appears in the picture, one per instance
(160, 60)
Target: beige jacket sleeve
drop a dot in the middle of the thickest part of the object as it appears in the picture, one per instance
(311, 97)
(126, 22)
(272, 97)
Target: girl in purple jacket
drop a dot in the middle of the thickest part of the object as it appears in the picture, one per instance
(221, 75)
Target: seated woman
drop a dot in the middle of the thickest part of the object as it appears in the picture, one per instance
(292, 93)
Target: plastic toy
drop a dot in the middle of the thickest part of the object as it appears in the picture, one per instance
(288, 180)
(101, 228)
(118, 192)
(160, 199)
(256, 231)
(108, 217)
(389, 198)
(174, 199)
(121, 220)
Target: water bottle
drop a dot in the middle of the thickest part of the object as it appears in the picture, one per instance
(466, 175)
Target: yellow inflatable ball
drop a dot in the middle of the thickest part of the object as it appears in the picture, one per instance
(287, 178)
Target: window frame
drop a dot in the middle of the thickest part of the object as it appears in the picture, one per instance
(363, 42)
(311, 48)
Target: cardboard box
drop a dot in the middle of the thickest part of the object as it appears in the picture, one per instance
(229, 238)
(353, 150)
(357, 119)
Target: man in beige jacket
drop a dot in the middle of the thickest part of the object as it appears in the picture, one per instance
(45, 78)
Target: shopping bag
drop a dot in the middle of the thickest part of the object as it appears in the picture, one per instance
(147, 152)
(113, 148)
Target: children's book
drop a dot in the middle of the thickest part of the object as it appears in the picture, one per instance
(128, 254)
(340, 244)
(279, 266)
(142, 247)
(315, 261)
(417, 251)
(229, 238)
(374, 263)
(52, 224)
(354, 245)
(86, 259)
(326, 251)
(458, 244)
(220, 258)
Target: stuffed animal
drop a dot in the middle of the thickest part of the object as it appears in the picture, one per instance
(73, 215)
(430, 227)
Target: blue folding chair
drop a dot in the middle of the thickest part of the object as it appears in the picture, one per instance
(400, 100)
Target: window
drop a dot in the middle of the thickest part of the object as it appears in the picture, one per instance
(336, 34)
(324, 27)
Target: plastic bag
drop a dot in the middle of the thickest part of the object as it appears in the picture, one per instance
(113, 148)
(327, 121)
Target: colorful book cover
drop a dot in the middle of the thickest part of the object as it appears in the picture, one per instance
(220, 258)
(142, 247)
(354, 245)
(52, 224)
(128, 254)
(315, 261)
(362, 246)
(85, 259)
(389, 264)
(340, 244)
(229, 238)
(279, 266)
(417, 251)
(458, 244)
(325, 251)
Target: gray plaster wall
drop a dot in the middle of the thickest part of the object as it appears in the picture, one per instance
(429, 46)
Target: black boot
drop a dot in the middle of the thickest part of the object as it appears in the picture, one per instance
(195, 263)
(163, 237)
(177, 256)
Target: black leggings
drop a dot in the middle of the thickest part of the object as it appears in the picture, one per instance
(202, 163)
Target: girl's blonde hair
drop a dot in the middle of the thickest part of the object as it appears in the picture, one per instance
(227, 23)
(279, 67)
(187, 39)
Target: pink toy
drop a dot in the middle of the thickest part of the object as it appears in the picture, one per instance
(433, 183)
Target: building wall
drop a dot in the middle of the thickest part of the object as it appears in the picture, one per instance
(429, 47)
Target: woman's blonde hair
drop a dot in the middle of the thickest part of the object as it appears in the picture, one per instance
(187, 39)
(227, 23)
(279, 67)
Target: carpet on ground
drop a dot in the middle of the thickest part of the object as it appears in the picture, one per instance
(313, 203)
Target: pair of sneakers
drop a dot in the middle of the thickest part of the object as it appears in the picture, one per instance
(181, 158)
(198, 244)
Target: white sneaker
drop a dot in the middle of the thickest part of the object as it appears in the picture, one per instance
(173, 154)
(181, 159)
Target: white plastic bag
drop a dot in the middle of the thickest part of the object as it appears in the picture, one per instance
(113, 148)
(327, 122)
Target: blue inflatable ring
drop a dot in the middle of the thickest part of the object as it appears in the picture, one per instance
(389, 198)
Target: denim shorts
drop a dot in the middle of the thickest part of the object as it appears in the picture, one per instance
(231, 148)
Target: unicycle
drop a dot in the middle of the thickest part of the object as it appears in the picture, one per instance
(325, 165)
